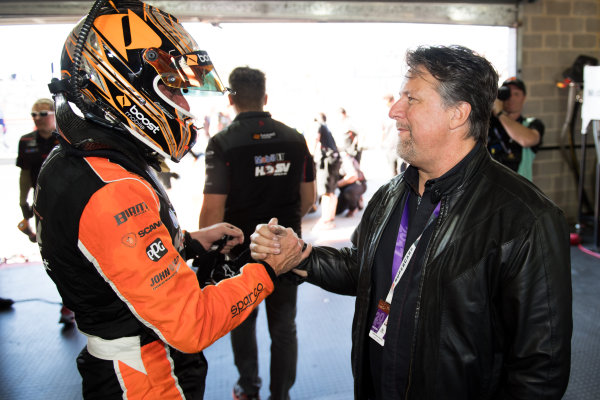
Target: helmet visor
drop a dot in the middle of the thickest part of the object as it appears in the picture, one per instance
(193, 72)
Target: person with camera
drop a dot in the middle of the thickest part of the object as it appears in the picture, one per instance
(513, 139)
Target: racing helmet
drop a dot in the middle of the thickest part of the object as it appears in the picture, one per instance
(129, 65)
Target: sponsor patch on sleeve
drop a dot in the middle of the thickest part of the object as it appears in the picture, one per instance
(165, 275)
(156, 250)
(129, 240)
(248, 301)
(131, 212)
(149, 228)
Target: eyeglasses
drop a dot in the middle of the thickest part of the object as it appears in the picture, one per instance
(41, 113)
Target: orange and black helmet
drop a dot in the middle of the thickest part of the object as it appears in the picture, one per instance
(136, 66)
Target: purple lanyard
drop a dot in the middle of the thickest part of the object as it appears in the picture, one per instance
(402, 231)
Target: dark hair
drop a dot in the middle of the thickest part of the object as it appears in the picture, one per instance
(462, 75)
(249, 86)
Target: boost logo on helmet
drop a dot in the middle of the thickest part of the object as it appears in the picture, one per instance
(201, 58)
(140, 119)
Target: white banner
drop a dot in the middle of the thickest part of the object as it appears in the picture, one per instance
(591, 96)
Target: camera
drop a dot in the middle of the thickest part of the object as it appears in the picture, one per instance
(503, 93)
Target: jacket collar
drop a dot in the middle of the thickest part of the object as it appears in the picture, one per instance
(252, 114)
(112, 143)
(451, 180)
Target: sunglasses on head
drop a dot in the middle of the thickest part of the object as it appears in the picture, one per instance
(41, 113)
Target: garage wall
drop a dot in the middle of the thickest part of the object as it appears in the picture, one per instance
(553, 33)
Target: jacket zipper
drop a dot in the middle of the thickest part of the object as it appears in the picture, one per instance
(380, 221)
(418, 305)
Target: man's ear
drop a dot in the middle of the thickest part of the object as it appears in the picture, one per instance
(265, 99)
(230, 96)
(460, 114)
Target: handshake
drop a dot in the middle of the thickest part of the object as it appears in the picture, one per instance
(277, 246)
(280, 247)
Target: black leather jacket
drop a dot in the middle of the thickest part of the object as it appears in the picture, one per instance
(493, 317)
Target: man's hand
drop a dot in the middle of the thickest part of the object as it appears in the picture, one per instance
(207, 236)
(265, 240)
(498, 106)
(278, 246)
(26, 229)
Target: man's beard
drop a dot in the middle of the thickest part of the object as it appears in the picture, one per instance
(405, 148)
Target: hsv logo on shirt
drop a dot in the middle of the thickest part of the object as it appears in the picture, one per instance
(271, 165)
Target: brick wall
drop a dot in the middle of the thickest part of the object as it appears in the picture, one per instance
(552, 34)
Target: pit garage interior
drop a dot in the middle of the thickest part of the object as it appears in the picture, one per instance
(38, 357)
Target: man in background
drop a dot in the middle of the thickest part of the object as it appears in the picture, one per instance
(253, 157)
(351, 143)
(328, 163)
(352, 185)
(513, 140)
(389, 139)
(33, 149)
(3, 129)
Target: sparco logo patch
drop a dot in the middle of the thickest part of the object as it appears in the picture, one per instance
(156, 250)
(162, 277)
(247, 301)
(149, 229)
(271, 165)
(140, 119)
(134, 211)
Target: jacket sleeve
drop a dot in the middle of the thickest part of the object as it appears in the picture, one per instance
(333, 270)
(537, 312)
(150, 276)
(336, 270)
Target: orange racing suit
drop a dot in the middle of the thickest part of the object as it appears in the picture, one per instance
(110, 240)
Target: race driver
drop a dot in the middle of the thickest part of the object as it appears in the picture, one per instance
(108, 235)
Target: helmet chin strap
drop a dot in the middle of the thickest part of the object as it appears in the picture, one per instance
(148, 144)
(168, 100)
